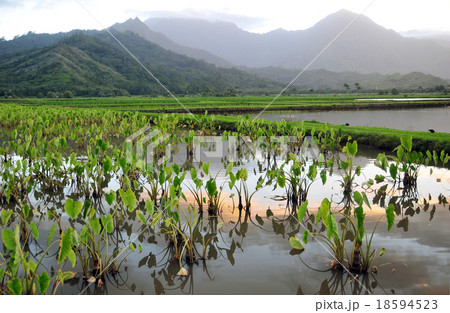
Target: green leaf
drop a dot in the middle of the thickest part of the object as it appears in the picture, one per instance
(6, 215)
(110, 197)
(107, 164)
(73, 208)
(379, 178)
(323, 176)
(95, 225)
(141, 217)
(34, 230)
(344, 165)
(400, 152)
(296, 243)
(205, 167)
(86, 207)
(15, 286)
(72, 257)
(108, 223)
(43, 282)
(406, 142)
(132, 246)
(352, 148)
(358, 198)
(156, 219)
(359, 213)
(305, 236)
(269, 213)
(229, 168)
(390, 216)
(65, 245)
(324, 209)
(8, 238)
(281, 180)
(51, 233)
(332, 226)
(26, 210)
(150, 207)
(302, 211)
(193, 173)
(128, 198)
(321, 159)
(393, 170)
(382, 251)
(366, 200)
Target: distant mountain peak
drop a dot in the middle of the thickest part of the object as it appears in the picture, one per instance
(135, 25)
(364, 47)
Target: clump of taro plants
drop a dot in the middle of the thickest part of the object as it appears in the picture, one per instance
(349, 173)
(328, 140)
(91, 244)
(406, 164)
(297, 178)
(350, 228)
(20, 270)
(196, 189)
(238, 181)
(213, 193)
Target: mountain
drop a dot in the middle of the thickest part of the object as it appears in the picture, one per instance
(138, 27)
(96, 65)
(364, 47)
(32, 41)
(323, 79)
(440, 37)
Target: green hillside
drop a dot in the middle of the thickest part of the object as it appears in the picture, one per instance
(96, 65)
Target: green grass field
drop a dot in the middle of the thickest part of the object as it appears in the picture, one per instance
(219, 105)
(378, 137)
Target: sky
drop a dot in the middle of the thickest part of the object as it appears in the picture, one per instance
(17, 17)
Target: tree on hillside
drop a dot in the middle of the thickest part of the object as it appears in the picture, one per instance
(358, 86)
(346, 86)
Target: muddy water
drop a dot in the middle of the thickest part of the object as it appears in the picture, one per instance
(414, 119)
(252, 255)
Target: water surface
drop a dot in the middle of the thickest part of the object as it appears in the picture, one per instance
(404, 119)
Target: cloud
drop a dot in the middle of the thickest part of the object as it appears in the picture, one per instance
(242, 21)
(11, 3)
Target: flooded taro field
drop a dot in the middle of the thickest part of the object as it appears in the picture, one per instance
(405, 119)
(125, 204)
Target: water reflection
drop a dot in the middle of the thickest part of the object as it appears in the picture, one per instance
(404, 119)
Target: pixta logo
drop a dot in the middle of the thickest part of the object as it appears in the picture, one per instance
(149, 148)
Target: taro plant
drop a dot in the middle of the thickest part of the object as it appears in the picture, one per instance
(238, 181)
(297, 178)
(20, 272)
(349, 173)
(406, 164)
(213, 193)
(327, 140)
(350, 228)
(196, 189)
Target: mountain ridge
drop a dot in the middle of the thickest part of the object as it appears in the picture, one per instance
(137, 26)
(364, 47)
(95, 65)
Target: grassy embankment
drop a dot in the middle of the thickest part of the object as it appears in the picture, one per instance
(378, 137)
(229, 105)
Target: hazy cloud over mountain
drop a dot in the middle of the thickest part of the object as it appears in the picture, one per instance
(242, 21)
